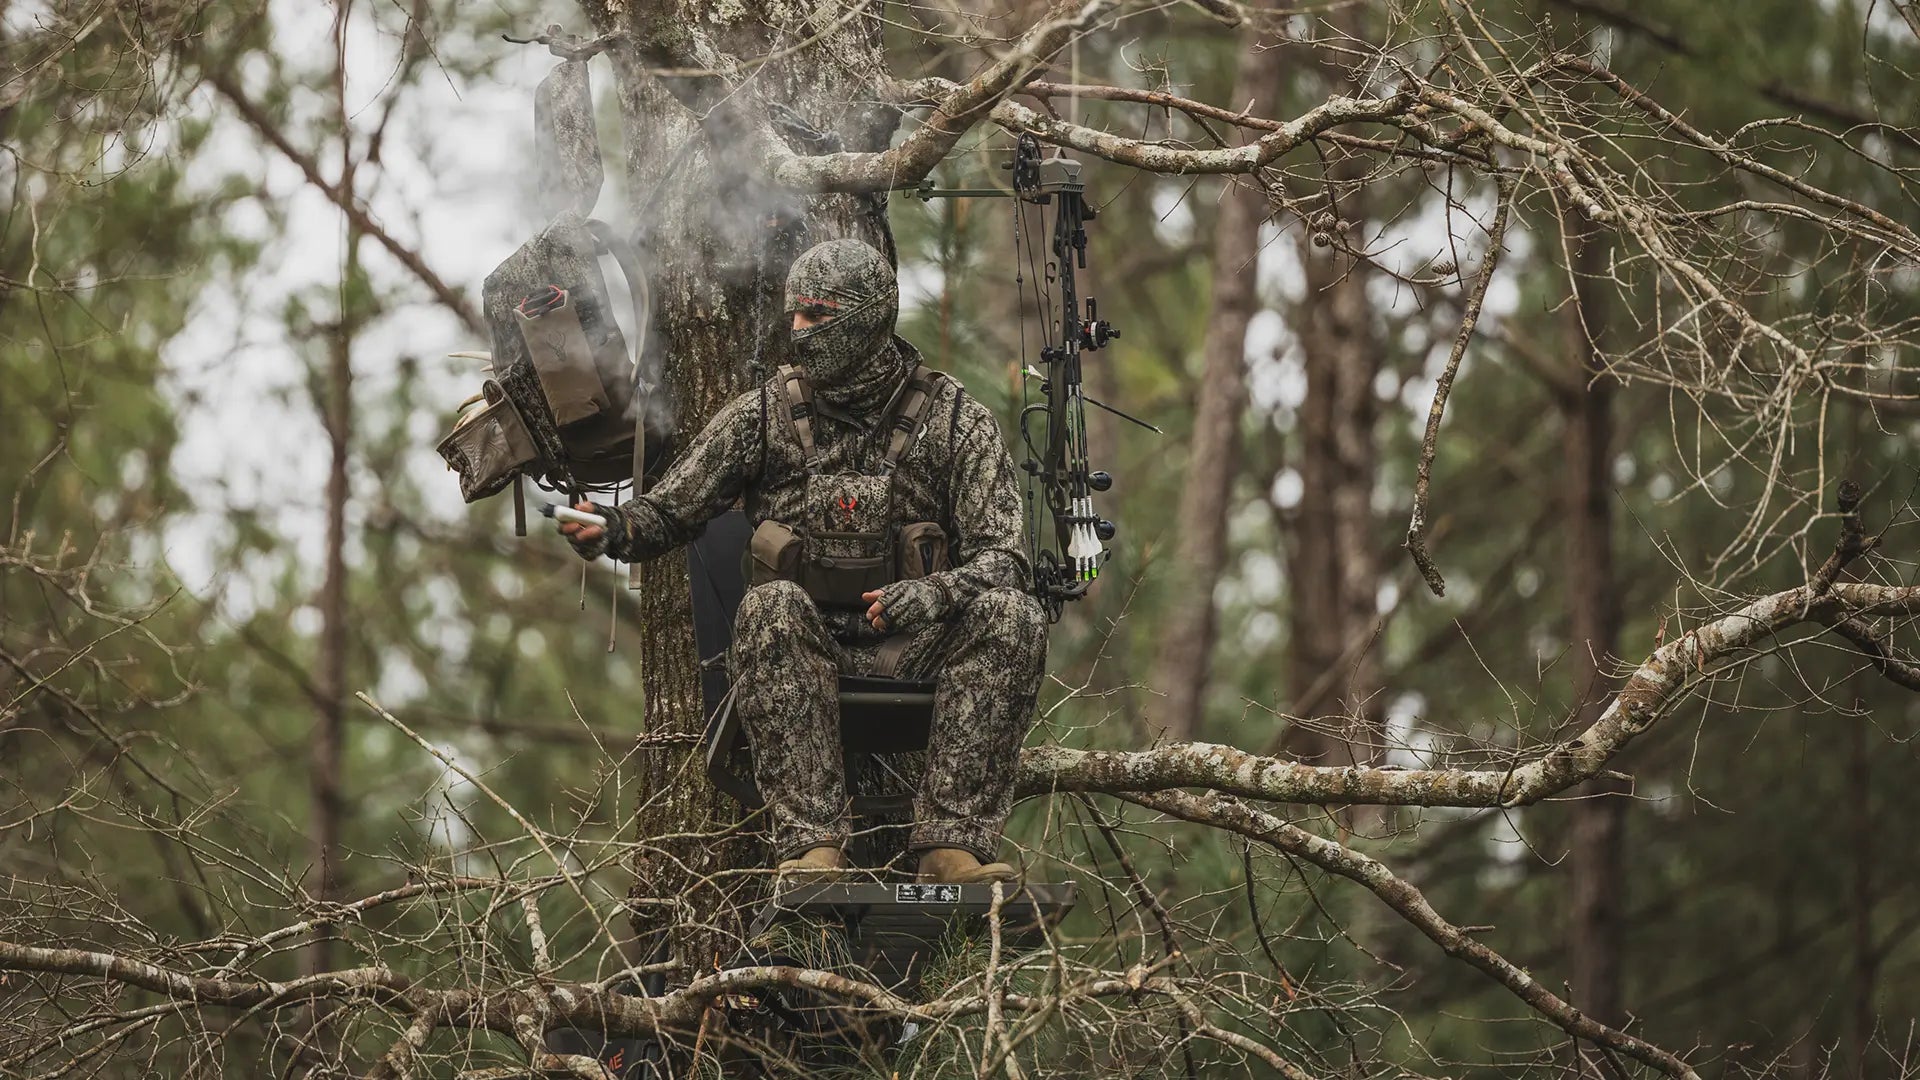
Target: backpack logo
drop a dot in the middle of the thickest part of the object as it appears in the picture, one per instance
(847, 504)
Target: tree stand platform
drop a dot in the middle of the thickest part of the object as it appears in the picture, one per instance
(892, 928)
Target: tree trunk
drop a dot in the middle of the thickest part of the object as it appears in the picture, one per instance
(330, 684)
(331, 681)
(1335, 575)
(1593, 617)
(1863, 1018)
(718, 240)
(1214, 450)
(1334, 572)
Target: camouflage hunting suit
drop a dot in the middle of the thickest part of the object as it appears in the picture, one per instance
(973, 628)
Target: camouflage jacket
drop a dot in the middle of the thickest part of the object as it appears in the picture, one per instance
(958, 473)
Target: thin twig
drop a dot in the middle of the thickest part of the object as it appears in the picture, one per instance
(1416, 542)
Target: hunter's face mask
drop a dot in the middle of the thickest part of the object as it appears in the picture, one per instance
(849, 359)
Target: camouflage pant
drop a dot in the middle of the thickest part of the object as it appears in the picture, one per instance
(988, 661)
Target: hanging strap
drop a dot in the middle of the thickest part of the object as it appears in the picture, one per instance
(641, 298)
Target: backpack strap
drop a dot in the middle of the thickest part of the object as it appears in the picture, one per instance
(798, 407)
(910, 419)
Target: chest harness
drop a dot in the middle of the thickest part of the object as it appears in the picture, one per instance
(848, 542)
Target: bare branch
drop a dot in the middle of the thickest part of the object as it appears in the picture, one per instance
(963, 106)
(1227, 813)
(1416, 541)
(1852, 544)
(1653, 689)
(264, 126)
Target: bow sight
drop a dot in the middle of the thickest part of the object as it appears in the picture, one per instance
(1053, 428)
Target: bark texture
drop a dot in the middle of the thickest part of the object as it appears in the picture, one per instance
(1187, 642)
(1335, 572)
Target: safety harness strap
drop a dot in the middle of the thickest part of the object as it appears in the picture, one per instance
(799, 409)
(905, 420)
(886, 660)
(910, 419)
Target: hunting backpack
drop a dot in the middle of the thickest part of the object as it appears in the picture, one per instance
(565, 401)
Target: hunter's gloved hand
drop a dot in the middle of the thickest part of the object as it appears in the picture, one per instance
(592, 541)
(907, 605)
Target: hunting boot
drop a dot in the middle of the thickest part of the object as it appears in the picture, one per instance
(823, 863)
(953, 866)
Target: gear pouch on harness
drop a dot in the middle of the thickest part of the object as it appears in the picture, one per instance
(849, 542)
(922, 548)
(836, 566)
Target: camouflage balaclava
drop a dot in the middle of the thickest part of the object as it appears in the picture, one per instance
(850, 359)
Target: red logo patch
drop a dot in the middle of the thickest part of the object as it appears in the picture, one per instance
(847, 505)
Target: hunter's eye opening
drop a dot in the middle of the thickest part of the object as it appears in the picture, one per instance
(810, 315)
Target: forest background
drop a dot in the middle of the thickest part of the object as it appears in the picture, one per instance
(241, 240)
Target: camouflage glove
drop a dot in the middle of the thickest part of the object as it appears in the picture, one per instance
(908, 605)
(612, 537)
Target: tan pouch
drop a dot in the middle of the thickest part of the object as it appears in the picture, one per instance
(563, 358)
(489, 445)
(922, 548)
(773, 554)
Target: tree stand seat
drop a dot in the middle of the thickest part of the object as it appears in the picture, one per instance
(877, 715)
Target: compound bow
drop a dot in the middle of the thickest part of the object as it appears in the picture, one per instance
(1065, 564)
(1053, 429)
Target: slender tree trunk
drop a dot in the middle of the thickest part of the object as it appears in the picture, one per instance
(1334, 575)
(1593, 616)
(331, 679)
(1866, 954)
(330, 682)
(1214, 450)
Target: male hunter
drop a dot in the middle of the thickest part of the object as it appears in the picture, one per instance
(887, 541)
